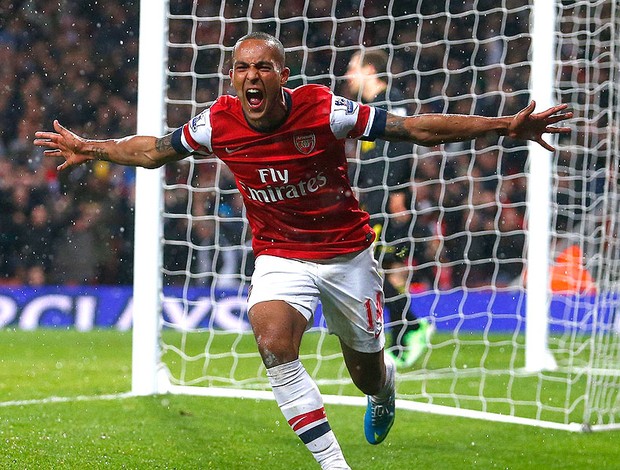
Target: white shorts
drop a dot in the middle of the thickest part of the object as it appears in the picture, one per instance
(350, 289)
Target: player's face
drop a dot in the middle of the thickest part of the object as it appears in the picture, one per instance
(258, 77)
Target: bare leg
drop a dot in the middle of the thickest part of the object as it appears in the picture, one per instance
(367, 370)
(278, 329)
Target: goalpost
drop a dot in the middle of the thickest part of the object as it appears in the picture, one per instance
(515, 253)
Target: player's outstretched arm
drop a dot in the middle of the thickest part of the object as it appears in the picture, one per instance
(145, 151)
(432, 129)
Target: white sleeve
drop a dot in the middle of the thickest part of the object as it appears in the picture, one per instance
(196, 134)
(343, 116)
(355, 120)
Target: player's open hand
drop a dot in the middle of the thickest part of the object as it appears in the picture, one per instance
(63, 143)
(531, 126)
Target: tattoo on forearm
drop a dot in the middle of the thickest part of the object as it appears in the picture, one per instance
(395, 127)
(164, 144)
(100, 153)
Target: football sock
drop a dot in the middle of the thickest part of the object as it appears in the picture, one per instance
(388, 387)
(301, 404)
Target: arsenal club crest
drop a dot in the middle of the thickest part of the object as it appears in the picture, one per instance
(305, 142)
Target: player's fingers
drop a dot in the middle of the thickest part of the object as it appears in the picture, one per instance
(549, 113)
(558, 130)
(545, 144)
(555, 109)
(44, 136)
(559, 117)
(63, 131)
(50, 144)
(529, 109)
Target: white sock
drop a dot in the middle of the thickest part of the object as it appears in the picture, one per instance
(388, 387)
(301, 404)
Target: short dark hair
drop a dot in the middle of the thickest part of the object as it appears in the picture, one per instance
(274, 41)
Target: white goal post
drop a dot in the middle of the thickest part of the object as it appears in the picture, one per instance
(148, 232)
(537, 355)
(515, 252)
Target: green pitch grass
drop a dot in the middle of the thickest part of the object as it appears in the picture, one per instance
(98, 427)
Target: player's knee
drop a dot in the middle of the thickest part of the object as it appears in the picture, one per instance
(275, 351)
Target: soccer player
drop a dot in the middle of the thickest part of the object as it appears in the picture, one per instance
(312, 242)
(382, 173)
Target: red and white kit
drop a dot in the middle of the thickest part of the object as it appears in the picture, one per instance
(306, 223)
(293, 179)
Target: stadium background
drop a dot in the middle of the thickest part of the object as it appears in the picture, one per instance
(79, 64)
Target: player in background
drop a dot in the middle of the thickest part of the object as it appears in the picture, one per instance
(311, 240)
(382, 175)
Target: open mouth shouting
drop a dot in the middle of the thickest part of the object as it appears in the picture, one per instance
(255, 98)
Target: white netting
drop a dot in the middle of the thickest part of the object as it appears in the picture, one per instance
(586, 203)
(465, 228)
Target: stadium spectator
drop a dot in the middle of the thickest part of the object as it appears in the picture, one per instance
(35, 256)
(63, 59)
(76, 252)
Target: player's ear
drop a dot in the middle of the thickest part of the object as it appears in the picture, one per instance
(286, 72)
(230, 72)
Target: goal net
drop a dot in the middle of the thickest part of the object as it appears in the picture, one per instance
(470, 214)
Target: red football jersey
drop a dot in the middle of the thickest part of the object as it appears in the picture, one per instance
(293, 180)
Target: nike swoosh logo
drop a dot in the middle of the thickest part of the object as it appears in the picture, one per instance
(233, 150)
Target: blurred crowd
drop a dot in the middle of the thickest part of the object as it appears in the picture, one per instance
(76, 62)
